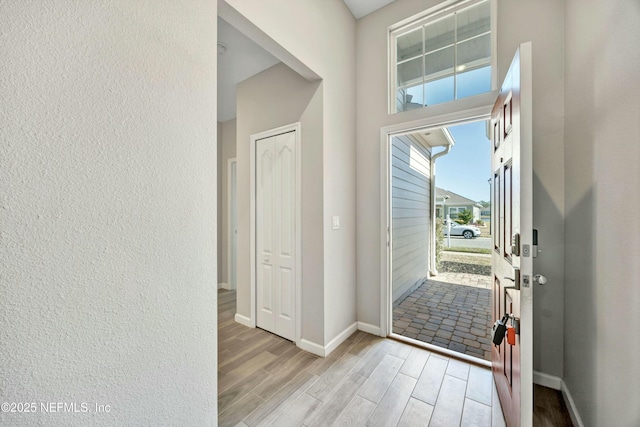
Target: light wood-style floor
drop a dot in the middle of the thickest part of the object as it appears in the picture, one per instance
(367, 381)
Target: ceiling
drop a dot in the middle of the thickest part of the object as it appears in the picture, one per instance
(243, 58)
(360, 8)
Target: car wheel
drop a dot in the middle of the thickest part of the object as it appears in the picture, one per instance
(468, 234)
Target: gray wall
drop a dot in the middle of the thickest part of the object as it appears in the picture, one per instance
(108, 210)
(411, 213)
(518, 21)
(322, 37)
(227, 144)
(602, 293)
(261, 107)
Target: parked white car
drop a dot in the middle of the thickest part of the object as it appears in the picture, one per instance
(466, 231)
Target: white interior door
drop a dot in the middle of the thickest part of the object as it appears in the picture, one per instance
(512, 228)
(275, 234)
(233, 224)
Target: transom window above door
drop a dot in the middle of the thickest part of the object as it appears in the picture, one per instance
(443, 56)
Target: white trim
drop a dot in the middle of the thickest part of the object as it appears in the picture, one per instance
(223, 285)
(369, 328)
(230, 230)
(546, 380)
(297, 128)
(526, 223)
(571, 406)
(385, 234)
(443, 351)
(243, 320)
(458, 112)
(321, 351)
(340, 338)
(311, 347)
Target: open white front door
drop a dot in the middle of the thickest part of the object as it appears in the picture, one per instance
(276, 234)
(512, 229)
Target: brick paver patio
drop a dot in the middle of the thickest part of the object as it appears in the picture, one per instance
(452, 310)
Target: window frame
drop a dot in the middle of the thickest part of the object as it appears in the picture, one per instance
(433, 14)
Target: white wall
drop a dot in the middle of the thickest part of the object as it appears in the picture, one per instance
(277, 97)
(227, 147)
(518, 21)
(602, 294)
(321, 35)
(108, 210)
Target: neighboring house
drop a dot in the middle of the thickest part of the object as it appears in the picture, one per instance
(454, 204)
(485, 214)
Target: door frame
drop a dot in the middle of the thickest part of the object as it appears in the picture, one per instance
(460, 112)
(297, 128)
(230, 214)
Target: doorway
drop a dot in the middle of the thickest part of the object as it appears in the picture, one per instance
(439, 272)
(275, 234)
(233, 222)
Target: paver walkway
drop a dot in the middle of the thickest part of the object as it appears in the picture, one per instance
(453, 311)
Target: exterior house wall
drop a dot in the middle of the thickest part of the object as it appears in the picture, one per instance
(476, 213)
(108, 210)
(602, 296)
(411, 213)
(454, 210)
(320, 35)
(541, 22)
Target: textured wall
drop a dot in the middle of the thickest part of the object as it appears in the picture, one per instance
(108, 210)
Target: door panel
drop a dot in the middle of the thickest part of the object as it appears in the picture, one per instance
(512, 266)
(264, 233)
(275, 233)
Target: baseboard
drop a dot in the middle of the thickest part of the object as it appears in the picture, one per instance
(321, 351)
(340, 338)
(547, 380)
(243, 320)
(368, 328)
(224, 286)
(571, 406)
(311, 347)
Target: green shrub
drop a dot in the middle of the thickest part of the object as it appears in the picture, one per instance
(466, 216)
(439, 243)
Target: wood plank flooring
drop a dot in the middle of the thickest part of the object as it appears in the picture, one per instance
(367, 381)
(549, 409)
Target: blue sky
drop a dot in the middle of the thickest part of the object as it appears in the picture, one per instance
(467, 167)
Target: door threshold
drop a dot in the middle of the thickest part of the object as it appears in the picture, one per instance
(443, 351)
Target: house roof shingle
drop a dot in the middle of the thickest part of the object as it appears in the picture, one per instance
(454, 198)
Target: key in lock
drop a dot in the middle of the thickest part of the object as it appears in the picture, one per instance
(499, 330)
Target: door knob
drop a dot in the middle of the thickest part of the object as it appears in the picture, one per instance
(540, 279)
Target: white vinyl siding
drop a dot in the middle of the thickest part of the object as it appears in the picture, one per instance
(410, 207)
